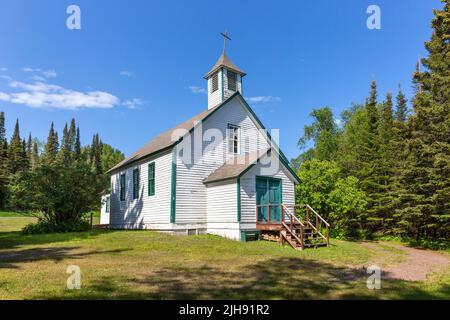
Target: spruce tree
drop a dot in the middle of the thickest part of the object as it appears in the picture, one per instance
(95, 156)
(15, 152)
(65, 153)
(77, 151)
(4, 171)
(370, 171)
(34, 158)
(425, 206)
(401, 110)
(51, 147)
(72, 137)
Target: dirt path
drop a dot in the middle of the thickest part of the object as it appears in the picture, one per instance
(418, 264)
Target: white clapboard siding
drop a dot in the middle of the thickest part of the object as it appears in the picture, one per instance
(222, 202)
(190, 191)
(146, 210)
(248, 191)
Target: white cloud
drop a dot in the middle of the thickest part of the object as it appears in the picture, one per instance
(3, 69)
(43, 95)
(126, 73)
(262, 99)
(42, 72)
(4, 76)
(4, 96)
(133, 103)
(195, 89)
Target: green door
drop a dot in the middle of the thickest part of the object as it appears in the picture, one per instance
(268, 192)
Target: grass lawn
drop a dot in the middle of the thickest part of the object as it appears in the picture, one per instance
(149, 265)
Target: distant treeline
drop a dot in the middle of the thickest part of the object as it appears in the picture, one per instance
(21, 159)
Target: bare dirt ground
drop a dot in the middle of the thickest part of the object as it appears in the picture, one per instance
(417, 264)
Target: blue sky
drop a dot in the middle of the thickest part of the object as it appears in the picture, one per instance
(133, 64)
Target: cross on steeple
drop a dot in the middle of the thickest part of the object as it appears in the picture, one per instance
(225, 38)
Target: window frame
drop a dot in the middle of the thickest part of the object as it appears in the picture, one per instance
(234, 144)
(234, 80)
(107, 204)
(136, 183)
(151, 179)
(215, 82)
(122, 186)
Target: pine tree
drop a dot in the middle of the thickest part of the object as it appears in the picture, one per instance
(385, 166)
(64, 155)
(77, 146)
(15, 152)
(370, 172)
(72, 137)
(401, 111)
(95, 156)
(51, 147)
(25, 158)
(4, 172)
(34, 158)
(425, 206)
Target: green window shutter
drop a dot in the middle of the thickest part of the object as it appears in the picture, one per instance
(135, 183)
(122, 187)
(151, 179)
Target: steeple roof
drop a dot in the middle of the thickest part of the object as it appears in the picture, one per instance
(224, 61)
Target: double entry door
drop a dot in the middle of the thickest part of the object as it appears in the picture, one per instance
(268, 199)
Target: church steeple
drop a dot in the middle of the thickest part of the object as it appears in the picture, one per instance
(224, 78)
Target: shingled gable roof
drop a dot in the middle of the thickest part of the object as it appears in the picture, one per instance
(235, 166)
(224, 61)
(165, 140)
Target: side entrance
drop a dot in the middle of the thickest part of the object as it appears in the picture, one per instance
(268, 200)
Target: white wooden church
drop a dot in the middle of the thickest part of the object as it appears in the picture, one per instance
(219, 172)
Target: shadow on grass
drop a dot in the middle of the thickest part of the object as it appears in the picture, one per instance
(12, 259)
(16, 239)
(280, 278)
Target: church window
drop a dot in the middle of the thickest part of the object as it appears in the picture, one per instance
(234, 143)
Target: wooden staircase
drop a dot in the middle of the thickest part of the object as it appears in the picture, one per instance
(303, 233)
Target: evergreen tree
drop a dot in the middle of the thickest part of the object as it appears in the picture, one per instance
(16, 152)
(95, 156)
(4, 172)
(25, 156)
(52, 146)
(401, 111)
(77, 151)
(34, 158)
(64, 155)
(370, 172)
(384, 168)
(72, 137)
(425, 206)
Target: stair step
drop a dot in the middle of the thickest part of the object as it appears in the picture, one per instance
(321, 244)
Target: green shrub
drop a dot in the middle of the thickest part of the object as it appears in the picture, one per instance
(43, 226)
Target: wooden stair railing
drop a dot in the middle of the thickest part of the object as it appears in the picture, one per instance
(299, 234)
